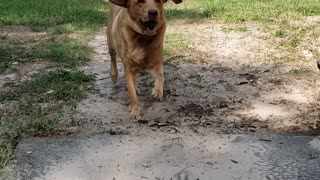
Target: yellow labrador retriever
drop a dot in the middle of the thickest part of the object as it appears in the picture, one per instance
(135, 34)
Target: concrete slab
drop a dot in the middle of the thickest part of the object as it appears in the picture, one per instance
(219, 157)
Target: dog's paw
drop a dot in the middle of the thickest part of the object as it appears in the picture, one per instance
(157, 93)
(135, 112)
(114, 77)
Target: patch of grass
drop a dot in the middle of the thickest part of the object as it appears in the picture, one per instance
(237, 29)
(226, 30)
(8, 97)
(40, 123)
(10, 53)
(5, 155)
(175, 47)
(42, 14)
(292, 37)
(244, 10)
(193, 9)
(70, 54)
(242, 29)
(38, 120)
(293, 41)
(63, 29)
(280, 33)
(300, 72)
(37, 124)
(10, 135)
(175, 44)
(44, 126)
(55, 48)
(5, 59)
(55, 86)
(41, 100)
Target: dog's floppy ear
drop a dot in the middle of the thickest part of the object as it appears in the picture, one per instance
(175, 1)
(123, 3)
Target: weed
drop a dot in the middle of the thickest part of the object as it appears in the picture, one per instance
(5, 154)
(226, 30)
(242, 29)
(280, 33)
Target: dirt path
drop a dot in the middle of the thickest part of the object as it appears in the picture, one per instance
(228, 84)
(236, 89)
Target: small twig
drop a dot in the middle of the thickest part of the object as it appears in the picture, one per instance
(234, 161)
(265, 140)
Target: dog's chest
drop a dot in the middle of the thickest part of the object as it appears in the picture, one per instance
(140, 50)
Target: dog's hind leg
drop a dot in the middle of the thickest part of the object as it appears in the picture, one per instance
(114, 69)
(113, 55)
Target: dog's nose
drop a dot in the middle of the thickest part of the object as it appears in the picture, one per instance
(153, 13)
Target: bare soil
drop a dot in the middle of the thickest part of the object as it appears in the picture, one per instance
(232, 86)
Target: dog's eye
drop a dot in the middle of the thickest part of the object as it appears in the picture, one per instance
(141, 1)
(158, 1)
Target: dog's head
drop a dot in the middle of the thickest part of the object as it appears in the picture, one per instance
(147, 15)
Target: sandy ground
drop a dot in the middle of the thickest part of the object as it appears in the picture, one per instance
(231, 86)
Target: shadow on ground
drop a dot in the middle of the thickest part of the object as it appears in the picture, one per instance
(215, 97)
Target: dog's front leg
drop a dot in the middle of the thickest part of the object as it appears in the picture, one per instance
(134, 103)
(157, 73)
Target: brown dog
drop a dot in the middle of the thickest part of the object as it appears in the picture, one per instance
(135, 34)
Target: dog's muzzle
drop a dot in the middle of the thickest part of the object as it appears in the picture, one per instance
(148, 27)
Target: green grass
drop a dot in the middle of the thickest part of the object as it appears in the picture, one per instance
(280, 33)
(69, 54)
(63, 29)
(10, 135)
(67, 25)
(175, 44)
(299, 72)
(10, 53)
(58, 18)
(5, 59)
(243, 10)
(175, 47)
(31, 117)
(237, 29)
(43, 14)
(52, 86)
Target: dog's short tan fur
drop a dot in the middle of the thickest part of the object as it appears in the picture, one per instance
(135, 34)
